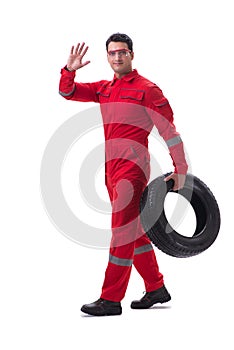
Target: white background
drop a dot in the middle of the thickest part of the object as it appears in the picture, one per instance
(186, 47)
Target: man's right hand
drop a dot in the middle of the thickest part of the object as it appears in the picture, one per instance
(74, 61)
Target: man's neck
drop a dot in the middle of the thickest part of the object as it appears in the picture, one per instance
(121, 75)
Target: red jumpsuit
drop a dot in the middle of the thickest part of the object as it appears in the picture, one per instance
(130, 107)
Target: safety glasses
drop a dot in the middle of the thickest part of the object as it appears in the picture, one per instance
(120, 53)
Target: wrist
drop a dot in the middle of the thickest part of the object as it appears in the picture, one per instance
(69, 69)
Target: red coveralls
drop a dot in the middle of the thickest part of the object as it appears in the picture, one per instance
(130, 107)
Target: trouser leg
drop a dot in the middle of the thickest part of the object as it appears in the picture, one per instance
(118, 272)
(125, 196)
(141, 254)
(129, 245)
(146, 264)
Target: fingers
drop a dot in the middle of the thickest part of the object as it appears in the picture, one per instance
(166, 179)
(76, 49)
(85, 50)
(169, 177)
(85, 63)
(79, 50)
(178, 179)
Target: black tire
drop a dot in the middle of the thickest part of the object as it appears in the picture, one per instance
(161, 233)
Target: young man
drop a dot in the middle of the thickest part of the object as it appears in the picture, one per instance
(130, 105)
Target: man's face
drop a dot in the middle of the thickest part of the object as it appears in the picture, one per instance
(120, 58)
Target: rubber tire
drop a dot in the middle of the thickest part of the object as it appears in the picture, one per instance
(160, 232)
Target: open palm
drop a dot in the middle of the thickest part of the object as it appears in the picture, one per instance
(75, 58)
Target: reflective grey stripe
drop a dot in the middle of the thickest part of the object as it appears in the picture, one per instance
(162, 104)
(118, 261)
(67, 94)
(174, 141)
(143, 249)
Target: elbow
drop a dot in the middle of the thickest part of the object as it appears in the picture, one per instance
(68, 94)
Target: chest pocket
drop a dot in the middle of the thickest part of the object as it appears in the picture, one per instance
(104, 92)
(132, 95)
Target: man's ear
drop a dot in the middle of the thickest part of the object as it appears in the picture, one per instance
(132, 55)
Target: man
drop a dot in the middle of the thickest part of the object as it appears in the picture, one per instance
(130, 105)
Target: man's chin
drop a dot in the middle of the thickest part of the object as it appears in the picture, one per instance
(118, 67)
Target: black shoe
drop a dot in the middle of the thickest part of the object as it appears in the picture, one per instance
(160, 295)
(102, 307)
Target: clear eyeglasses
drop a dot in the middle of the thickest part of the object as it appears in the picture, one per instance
(120, 53)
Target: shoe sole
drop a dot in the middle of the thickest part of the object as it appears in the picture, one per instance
(107, 313)
(150, 305)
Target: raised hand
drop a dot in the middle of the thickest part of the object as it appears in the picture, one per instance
(75, 58)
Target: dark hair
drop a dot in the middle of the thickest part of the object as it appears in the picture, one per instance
(119, 37)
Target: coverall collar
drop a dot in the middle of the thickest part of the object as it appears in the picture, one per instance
(128, 77)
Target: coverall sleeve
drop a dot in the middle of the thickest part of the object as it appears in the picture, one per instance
(71, 90)
(161, 115)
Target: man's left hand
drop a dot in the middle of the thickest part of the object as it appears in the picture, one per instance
(179, 180)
